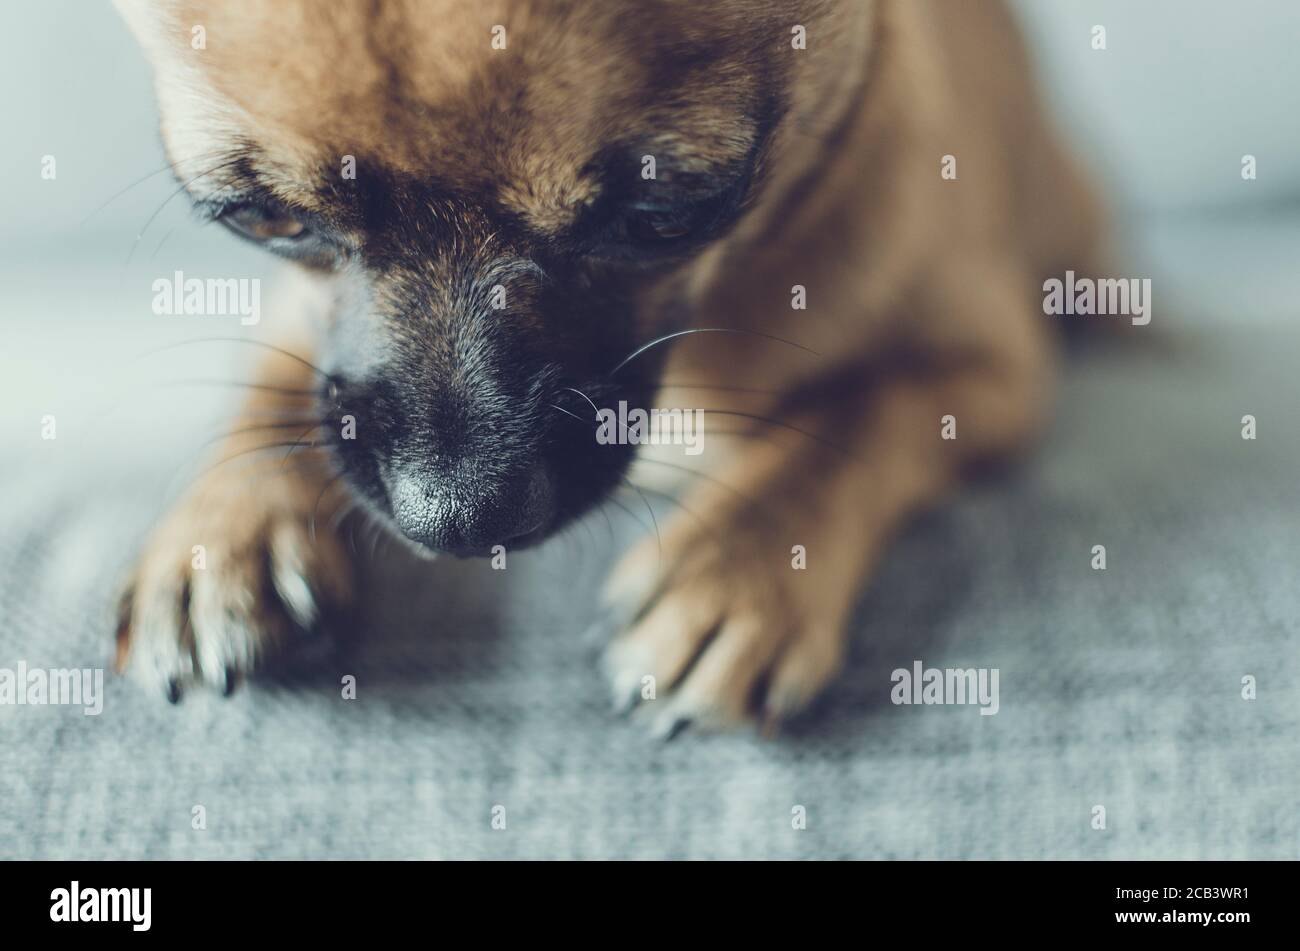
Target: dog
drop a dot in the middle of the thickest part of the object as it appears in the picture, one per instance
(826, 223)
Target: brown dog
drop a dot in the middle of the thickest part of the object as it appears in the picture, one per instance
(516, 212)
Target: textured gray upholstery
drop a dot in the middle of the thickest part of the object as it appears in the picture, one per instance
(476, 689)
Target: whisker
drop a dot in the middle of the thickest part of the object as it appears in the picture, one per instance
(344, 511)
(262, 387)
(140, 181)
(672, 499)
(230, 163)
(329, 483)
(753, 503)
(248, 340)
(567, 412)
(352, 540)
(738, 433)
(722, 389)
(279, 444)
(298, 442)
(252, 468)
(288, 412)
(608, 523)
(658, 538)
(585, 397)
(784, 425)
(632, 515)
(119, 194)
(158, 246)
(707, 330)
(263, 427)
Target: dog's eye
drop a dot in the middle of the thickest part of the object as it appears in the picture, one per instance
(283, 232)
(657, 225)
(263, 224)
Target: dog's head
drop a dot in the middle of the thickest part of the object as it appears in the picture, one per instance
(513, 197)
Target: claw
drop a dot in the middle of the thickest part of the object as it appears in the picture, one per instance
(626, 693)
(228, 681)
(669, 725)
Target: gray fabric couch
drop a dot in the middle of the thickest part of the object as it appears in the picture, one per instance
(476, 688)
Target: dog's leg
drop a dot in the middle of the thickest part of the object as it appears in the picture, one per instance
(729, 618)
(250, 558)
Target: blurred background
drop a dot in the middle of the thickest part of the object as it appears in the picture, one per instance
(1124, 694)
(1164, 114)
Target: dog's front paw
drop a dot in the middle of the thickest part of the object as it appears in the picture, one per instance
(720, 636)
(242, 568)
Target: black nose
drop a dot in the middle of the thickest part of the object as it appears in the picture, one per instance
(469, 519)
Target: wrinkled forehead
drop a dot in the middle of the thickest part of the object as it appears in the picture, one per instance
(520, 94)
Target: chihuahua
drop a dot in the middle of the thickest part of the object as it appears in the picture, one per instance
(518, 223)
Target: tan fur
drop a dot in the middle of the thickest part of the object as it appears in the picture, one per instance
(921, 291)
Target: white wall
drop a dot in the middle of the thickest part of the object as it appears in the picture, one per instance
(1185, 88)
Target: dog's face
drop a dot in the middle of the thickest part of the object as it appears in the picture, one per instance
(511, 197)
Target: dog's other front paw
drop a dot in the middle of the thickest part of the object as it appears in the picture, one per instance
(720, 637)
(242, 568)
